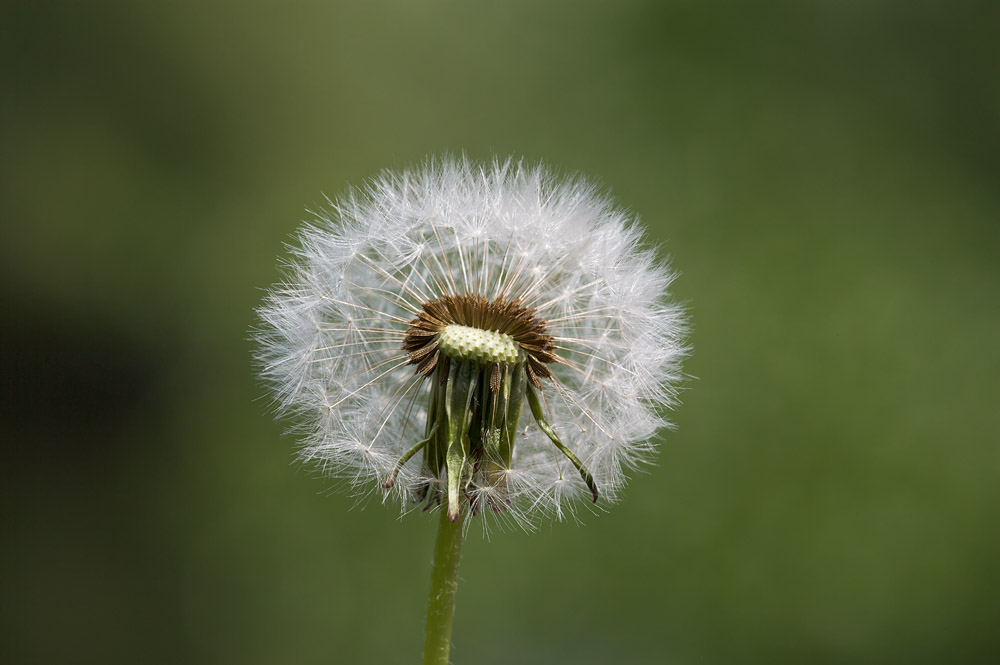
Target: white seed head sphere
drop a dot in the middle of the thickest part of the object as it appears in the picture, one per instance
(417, 313)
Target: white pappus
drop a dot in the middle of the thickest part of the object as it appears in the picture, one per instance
(472, 335)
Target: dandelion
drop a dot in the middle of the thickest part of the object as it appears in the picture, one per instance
(489, 339)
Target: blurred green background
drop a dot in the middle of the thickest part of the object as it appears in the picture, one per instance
(825, 175)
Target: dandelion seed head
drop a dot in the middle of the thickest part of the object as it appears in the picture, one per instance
(533, 282)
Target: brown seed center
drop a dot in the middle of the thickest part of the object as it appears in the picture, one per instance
(508, 317)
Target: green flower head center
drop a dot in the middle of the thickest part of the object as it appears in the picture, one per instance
(483, 347)
(473, 329)
(483, 359)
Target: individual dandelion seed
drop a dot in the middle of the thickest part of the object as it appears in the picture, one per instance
(487, 338)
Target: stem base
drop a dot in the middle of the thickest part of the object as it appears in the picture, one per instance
(444, 587)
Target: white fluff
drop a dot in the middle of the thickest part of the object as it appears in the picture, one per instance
(330, 342)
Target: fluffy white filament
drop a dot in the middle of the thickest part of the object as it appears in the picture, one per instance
(330, 344)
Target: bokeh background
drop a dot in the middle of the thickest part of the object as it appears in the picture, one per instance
(825, 175)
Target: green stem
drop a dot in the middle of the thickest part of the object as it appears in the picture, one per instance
(444, 585)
